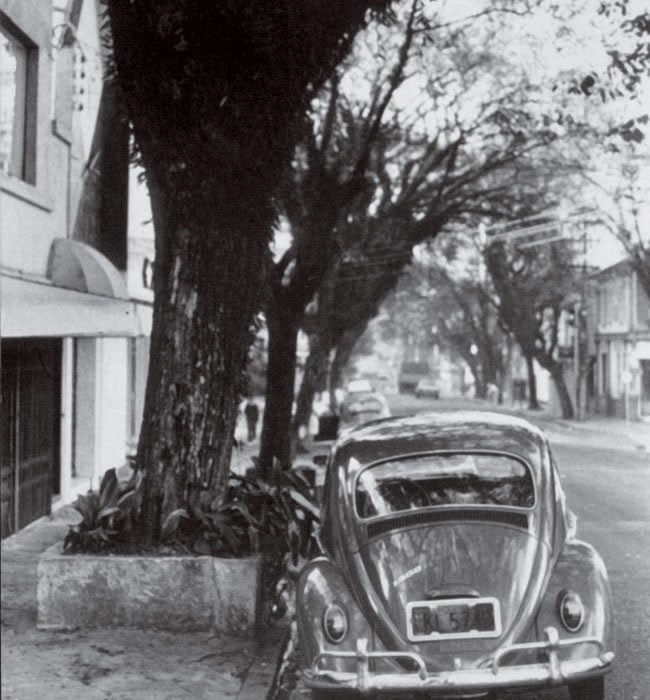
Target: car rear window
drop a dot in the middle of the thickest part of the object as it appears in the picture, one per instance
(443, 480)
(363, 404)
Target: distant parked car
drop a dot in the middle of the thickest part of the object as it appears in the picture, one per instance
(450, 566)
(427, 387)
(410, 373)
(362, 406)
(356, 386)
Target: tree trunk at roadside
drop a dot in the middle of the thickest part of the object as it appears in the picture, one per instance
(314, 379)
(566, 403)
(533, 403)
(275, 441)
(480, 383)
(344, 348)
(199, 344)
(215, 94)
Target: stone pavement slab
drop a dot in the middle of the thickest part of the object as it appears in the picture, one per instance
(120, 664)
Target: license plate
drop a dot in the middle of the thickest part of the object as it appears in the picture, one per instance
(453, 619)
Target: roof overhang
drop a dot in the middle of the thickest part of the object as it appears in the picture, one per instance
(37, 309)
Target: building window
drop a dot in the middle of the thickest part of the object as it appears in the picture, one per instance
(18, 70)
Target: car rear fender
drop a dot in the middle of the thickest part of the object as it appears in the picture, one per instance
(321, 584)
(579, 568)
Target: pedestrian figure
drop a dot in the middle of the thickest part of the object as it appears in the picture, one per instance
(252, 413)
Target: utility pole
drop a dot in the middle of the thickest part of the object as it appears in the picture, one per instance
(577, 307)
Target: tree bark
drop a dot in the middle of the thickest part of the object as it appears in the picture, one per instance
(476, 368)
(313, 380)
(200, 338)
(566, 403)
(533, 403)
(344, 348)
(275, 442)
(215, 94)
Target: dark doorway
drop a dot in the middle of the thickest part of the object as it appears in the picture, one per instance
(30, 429)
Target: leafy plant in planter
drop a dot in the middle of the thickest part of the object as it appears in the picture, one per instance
(107, 517)
(275, 516)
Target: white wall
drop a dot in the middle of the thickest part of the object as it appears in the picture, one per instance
(111, 428)
(100, 407)
(25, 212)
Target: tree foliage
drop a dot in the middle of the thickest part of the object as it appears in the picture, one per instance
(428, 131)
(532, 286)
(215, 94)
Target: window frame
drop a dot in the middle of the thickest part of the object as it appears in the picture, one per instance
(28, 163)
(442, 453)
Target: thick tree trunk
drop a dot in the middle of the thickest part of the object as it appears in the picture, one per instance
(275, 442)
(216, 95)
(200, 338)
(566, 404)
(313, 380)
(344, 348)
(533, 403)
(480, 385)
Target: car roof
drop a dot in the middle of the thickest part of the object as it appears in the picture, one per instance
(430, 432)
(359, 385)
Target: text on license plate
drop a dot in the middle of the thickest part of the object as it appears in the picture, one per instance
(462, 617)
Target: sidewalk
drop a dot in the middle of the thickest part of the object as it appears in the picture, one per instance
(601, 432)
(120, 664)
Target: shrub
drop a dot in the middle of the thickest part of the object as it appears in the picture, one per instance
(107, 517)
(275, 516)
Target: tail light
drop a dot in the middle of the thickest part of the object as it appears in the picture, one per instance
(570, 610)
(335, 623)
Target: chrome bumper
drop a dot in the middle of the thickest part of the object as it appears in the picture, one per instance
(549, 673)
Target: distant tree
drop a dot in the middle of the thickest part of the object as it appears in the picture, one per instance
(532, 285)
(468, 323)
(215, 93)
(619, 192)
(313, 195)
(410, 171)
(625, 34)
(458, 302)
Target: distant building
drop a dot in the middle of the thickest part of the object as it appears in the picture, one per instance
(75, 318)
(619, 384)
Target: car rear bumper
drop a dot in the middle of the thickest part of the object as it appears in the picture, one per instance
(493, 676)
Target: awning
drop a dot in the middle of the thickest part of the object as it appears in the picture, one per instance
(75, 265)
(37, 309)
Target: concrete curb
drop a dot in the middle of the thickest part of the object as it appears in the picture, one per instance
(260, 679)
(176, 593)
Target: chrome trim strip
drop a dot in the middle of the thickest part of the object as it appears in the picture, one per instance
(554, 672)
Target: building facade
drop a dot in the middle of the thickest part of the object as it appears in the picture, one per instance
(620, 344)
(74, 317)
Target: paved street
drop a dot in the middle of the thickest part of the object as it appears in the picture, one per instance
(608, 490)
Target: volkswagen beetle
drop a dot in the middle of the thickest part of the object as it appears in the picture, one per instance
(450, 566)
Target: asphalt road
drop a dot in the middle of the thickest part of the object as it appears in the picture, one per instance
(609, 491)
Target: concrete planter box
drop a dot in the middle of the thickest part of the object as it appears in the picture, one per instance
(178, 593)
